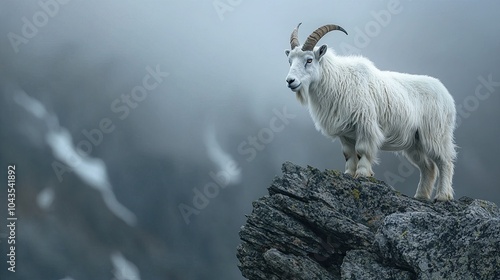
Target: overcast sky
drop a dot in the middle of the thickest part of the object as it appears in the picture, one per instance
(217, 80)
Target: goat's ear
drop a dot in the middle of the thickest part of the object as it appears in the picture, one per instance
(287, 52)
(321, 51)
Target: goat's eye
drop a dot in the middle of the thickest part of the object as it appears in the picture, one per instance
(309, 60)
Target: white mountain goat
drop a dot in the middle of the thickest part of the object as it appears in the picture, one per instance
(370, 109)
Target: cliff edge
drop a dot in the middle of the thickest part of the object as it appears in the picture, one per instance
(328, 225)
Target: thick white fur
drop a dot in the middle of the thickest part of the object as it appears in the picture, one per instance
(369, 109)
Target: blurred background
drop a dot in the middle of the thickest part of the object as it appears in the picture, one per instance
(142, 131)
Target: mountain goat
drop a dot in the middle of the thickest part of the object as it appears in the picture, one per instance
(370, 109)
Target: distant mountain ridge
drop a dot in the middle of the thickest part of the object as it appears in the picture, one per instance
(328, 225)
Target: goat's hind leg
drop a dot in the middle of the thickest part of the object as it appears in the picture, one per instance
(444, 189)
(428, 172)
(444, 155)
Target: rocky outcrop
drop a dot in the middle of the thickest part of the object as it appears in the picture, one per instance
(328, 225)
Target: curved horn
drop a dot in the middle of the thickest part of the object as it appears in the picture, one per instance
(313, 39)
(294, 40)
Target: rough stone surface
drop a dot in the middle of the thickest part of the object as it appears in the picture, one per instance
(328, 225)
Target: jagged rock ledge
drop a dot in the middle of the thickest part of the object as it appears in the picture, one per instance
(328, 225)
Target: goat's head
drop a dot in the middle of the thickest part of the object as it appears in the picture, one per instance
(304, 61)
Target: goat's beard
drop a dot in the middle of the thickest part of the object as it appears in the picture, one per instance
(302, 95)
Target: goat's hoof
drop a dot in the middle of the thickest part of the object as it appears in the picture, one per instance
(363, 173)
(350, 172)
(443, 197)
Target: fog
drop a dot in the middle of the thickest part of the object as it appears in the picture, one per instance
(141, 131)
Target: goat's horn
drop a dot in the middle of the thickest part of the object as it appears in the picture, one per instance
(294, 40)
(313, 39)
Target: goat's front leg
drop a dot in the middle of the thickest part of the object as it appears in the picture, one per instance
(368, 141)
(365, 155)
(349, 151)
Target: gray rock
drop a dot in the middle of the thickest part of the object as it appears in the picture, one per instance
(361, 264)
(328, 225)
